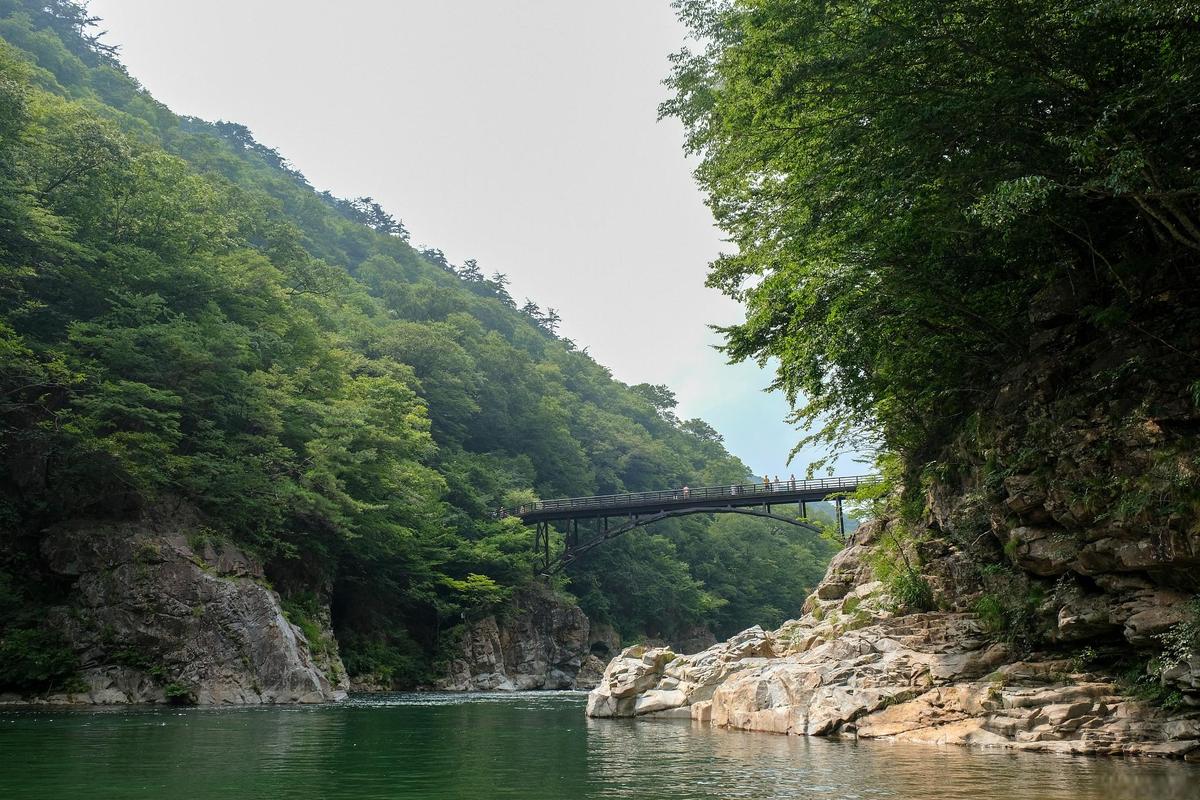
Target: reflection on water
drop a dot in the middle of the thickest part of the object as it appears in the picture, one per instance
(704, 762)
(534, 746)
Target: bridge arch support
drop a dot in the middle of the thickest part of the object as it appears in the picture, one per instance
(551, 566)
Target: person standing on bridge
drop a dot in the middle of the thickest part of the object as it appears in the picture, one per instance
(767, 482)
(793, 481)
(778, 484)
(685, 493)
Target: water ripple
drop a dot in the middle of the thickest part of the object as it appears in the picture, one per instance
(436, 746)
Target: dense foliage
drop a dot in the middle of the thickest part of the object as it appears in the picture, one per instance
(902, 178)
(182, 317)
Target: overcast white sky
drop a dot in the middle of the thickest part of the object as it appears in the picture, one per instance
(520, 133)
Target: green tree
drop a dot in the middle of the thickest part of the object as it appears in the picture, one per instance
(901, 179)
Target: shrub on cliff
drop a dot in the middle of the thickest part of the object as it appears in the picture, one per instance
(35, 660)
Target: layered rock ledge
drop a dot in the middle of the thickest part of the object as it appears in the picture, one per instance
(852, 667)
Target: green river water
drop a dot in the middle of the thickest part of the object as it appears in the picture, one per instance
(530, 746)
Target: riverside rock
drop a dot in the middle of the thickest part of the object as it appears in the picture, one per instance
(852, 667)
(1058, 542)
(540, 641)
(158, 613)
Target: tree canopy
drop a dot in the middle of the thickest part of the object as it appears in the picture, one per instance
(901, 178)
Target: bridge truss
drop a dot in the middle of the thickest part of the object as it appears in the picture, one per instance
(637, 509)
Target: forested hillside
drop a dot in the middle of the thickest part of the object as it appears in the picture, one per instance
(185, 320)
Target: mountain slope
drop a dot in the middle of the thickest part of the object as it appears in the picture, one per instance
(185, 320)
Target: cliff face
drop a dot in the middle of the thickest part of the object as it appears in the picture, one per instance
(1043, 596)
(157, 613)
(540, 641)
(1070, 515)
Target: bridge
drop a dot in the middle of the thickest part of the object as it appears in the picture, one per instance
(635, 509)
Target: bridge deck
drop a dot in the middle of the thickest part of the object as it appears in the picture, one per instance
(735, 496)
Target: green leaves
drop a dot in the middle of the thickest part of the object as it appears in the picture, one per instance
(1011, 200)
(183, 319)
(129, 428)
(35, 660)
(478, 591)
(899, 179)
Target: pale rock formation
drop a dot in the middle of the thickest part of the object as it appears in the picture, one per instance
(850, 667)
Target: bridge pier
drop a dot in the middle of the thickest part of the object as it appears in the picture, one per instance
(541, 542)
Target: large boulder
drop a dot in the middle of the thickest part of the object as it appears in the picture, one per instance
(836, 682)
(635, 671)
(677, 680)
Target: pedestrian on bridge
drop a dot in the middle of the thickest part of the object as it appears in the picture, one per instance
(793, 481)
(767, 482)
(685, 493)
(778, 484)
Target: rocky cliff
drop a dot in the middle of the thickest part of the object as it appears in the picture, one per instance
(1031, 584)
(158, 611)
(538, 641)
(855, 666)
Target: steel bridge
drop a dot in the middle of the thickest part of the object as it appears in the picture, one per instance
(635, 509)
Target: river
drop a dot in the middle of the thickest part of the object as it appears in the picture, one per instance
(530, 746)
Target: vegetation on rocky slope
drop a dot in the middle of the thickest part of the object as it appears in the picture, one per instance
(969, 233)
(902, 178)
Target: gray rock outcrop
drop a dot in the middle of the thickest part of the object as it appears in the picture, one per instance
(539, 641)
(159, 612)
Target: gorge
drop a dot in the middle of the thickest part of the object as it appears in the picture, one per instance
(263, 456)
(249, 421)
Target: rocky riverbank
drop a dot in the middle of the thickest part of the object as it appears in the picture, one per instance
(852, 666)
(157, 613)
(1030, 585)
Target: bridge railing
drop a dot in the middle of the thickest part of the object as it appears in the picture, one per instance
(726, 492)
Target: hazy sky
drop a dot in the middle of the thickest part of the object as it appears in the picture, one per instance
(520, 133)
